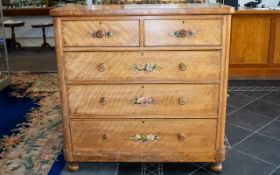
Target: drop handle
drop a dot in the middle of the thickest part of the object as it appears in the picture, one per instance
(103, 101)
(101, 67)
(182, 67)
(181, 137)
(181, 101)
(106, 137)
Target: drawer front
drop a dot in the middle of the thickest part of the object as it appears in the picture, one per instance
(183, 32)
(143, 66)
(143, 136)
(101, 33)
(147, 100)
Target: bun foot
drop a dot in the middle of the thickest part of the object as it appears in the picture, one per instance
(216, 167)
(73, 166)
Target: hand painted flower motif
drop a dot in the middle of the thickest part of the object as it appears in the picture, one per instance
(144, 137)
(183, 33)
(143, 100)
(149, 67)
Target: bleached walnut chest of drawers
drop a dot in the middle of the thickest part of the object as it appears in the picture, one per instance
(143, 83)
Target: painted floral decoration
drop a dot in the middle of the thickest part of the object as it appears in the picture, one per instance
(183, 33)
(144, 137)
(149, 67)
(143, 100)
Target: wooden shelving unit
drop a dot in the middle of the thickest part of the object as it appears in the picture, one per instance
(27, 12)
(36, 11)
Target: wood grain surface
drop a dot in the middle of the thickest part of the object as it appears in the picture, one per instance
(119, 132)
(199, 100)
(255, 52)
(133, 66)
(161, 32)
(250, 43)
(276, 58)
(79, 33)
(143, 80)
(142, 9)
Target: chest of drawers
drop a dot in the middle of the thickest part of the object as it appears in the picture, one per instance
(143, 83)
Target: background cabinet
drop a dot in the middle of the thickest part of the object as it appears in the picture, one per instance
(250, 39)
(34, 7)
(277, 41)
(255, 45)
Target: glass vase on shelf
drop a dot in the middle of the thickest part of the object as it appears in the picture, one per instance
(4, 64)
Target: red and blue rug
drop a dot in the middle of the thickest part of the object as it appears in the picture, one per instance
(31, 133)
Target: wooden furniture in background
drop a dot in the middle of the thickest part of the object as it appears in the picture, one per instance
(13, 24)
(36, 11)
(276, 55)
(27, 12)
(43, 26)
(132, 91)
(255, 45)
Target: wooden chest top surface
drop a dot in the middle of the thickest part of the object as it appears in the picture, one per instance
(142, 9)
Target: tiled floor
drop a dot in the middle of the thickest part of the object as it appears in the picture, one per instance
(253, 132)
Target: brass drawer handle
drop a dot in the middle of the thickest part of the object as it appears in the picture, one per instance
(144, 137)
(182, 67)
(101, 34)
(103, 101)
(181, 101)
(106, 137)
(181, 137)
(101, 67)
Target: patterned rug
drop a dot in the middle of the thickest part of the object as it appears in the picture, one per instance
(31, 146)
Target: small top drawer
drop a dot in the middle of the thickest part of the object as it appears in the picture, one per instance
(101, 33)
(189, 32)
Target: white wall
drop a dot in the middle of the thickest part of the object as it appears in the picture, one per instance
(28, 36)
(266, 2)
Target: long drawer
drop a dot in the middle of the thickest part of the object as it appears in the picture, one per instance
(183, 32)
(101, 33)
(143, 66)
(143, 136)
(144, 100)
